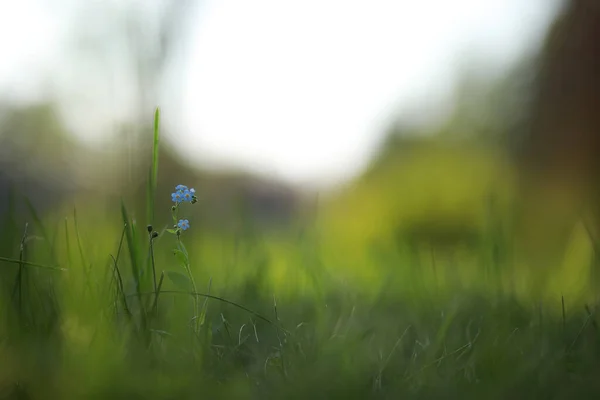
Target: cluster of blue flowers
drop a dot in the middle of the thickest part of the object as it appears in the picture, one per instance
(183, 195)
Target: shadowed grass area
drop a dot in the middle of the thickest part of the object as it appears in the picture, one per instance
(103, 307)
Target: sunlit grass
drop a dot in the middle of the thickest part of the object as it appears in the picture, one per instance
(94, 307)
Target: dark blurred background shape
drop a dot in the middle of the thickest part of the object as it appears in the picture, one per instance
(558, 155)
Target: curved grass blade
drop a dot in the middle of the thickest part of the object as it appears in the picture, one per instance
(32, 264)
(209, 296)
(38, 222)
(78, 236)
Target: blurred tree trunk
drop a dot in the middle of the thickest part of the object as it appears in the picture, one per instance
(560, 160)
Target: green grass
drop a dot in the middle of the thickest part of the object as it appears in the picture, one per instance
(101, 309)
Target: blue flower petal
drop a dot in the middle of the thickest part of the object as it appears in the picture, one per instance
(187, 196)
(176, 197)
(183, 224)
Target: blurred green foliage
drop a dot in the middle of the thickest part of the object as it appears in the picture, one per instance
(413, 280)
(403, 283)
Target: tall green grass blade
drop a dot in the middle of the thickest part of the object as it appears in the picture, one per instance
(52, 240)
(151, 261)
(132, 247)
(40, 225)
(153, 168)
(78, 237)
(158, 289)
(68, 244)
(120, 287)
(85, 266)
(134, 251)
(8, 235)
(118, 277)
(121, 242)
(138, 251)
(19, 280)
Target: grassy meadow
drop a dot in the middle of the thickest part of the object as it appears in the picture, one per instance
(342, 303)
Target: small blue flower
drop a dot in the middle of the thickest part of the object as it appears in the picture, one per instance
(193, 191)
(187, 195)
(181, 188)
(176, 197)
(183, 224)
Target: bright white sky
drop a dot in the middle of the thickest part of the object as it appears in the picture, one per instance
(301, 89)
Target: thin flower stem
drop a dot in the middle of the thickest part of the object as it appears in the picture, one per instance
(183, 225)
(189, 272)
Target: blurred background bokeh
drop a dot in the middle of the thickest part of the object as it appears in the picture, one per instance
(379, 129)
(361, 168)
